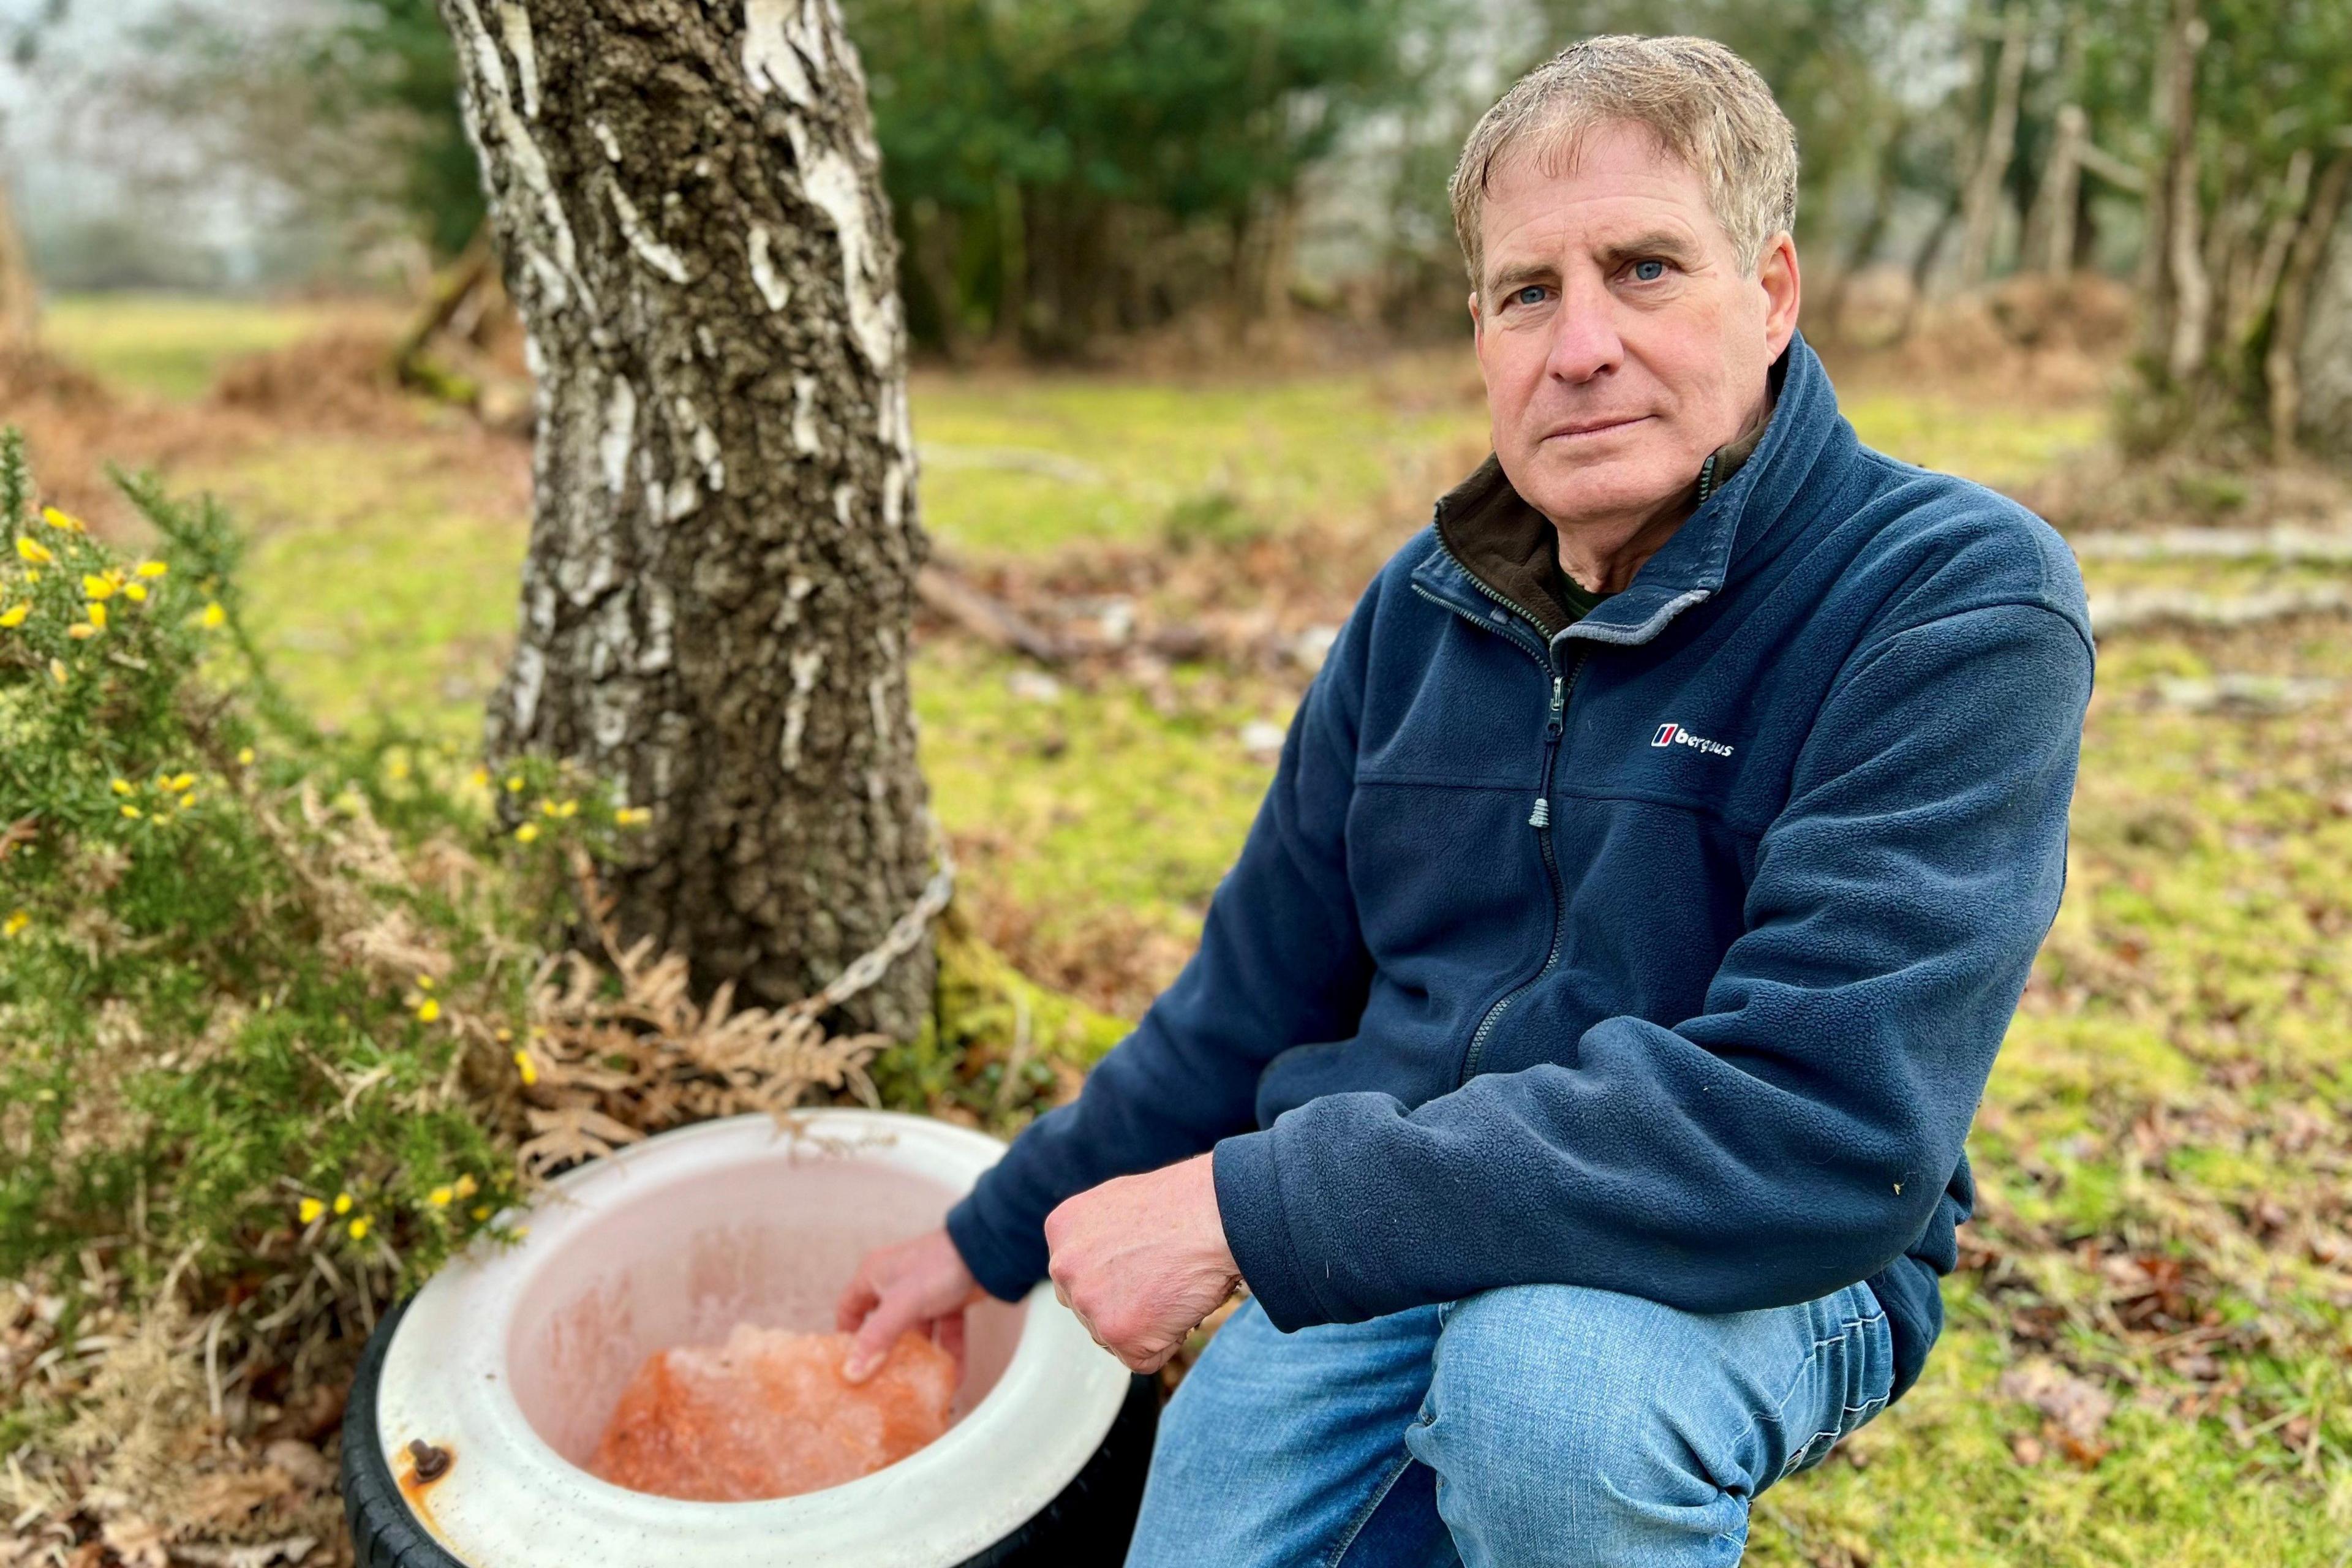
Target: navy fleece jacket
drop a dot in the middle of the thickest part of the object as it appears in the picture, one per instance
(1666, 953)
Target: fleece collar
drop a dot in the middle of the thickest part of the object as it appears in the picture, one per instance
(1496, 545)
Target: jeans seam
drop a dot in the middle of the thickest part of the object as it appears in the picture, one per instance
(1812, 1354)
(1364, 1515)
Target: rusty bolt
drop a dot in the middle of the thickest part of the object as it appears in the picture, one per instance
(432, 1463)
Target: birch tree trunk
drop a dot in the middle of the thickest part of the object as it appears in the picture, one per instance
(1982, 207)
(2176, 294)
(2309, 365)
(2050, 232)
(688, 199)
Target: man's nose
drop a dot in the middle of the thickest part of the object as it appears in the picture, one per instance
(1584, 334)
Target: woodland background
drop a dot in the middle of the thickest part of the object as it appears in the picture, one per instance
(1192, 363)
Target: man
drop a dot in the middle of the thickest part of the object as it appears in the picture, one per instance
(1577, 1061)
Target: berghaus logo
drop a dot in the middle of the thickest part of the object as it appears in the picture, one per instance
(1675, 735)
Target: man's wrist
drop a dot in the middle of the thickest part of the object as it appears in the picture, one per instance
(1213, 1225)
(1004, 1276)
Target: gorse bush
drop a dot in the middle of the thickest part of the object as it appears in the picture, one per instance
(268, 994)
(288, 1018)
(258, 995)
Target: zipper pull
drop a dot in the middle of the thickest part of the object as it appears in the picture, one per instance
(1552, 724)
(1542, 816)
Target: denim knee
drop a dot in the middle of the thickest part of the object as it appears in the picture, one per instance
(1572, 1427)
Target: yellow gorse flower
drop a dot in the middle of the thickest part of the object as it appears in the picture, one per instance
(428, 1009)
(514, 784)
(14, 615)
(34, 551)
(632, 816)
(466, 1187)
(122, 786)
(59, 520)
(179, 781)
(153, 568)
(96, 611)
(135, 592)
(244, 756)
(481, 1211)
(132, 811)
(97, 587)
(15, 923)
(81, 629)
(524, 1066)
(527, 832)
(359, 1229)
(342, 1203)
(214, 616)
(439, 1197)
(310, 1209)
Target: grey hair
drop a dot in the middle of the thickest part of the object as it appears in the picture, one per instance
(1705, 106)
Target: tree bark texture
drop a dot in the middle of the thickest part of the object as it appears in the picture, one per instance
(720, 582)
(2176, 293)
(2049, 242)
(1985, 175)
(2310, 362)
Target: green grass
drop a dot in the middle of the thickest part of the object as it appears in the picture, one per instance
(1094, 800)
(1020, 465)
(1994, 446)
(379, 582)
(2175, 1087)
(171, 345)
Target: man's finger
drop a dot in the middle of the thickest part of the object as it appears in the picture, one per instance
(948, 1333)
(881, 1330)
(857, 1299)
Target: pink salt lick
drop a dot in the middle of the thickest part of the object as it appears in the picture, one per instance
(769, 1414)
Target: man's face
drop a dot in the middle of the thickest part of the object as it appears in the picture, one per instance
(1620, 342)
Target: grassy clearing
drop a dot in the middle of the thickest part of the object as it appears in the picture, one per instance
(170, 345)
(2163, 1148)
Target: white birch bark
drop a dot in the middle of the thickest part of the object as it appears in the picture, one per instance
(690, 216)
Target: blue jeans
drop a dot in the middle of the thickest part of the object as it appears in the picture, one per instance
(1544, 1425)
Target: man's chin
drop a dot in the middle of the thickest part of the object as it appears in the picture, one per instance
(1568, 488)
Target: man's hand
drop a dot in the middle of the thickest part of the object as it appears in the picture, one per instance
(1142, 1259)
(918, 1284)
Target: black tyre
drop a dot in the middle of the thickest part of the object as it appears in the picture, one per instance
(1087, 1525)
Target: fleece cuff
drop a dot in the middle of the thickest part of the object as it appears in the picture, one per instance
(1258, 1230)
(1005, 1272)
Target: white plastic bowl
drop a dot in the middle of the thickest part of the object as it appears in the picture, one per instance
(513, 1361)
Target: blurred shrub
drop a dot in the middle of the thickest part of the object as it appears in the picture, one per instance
(1214, 518)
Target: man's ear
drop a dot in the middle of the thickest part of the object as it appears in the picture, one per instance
(1478, 323)
(1783, 286)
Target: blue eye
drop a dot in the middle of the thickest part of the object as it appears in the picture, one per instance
(1649, 270)
(1530, 295)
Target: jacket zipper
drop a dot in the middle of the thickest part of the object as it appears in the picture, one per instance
(1539, 818)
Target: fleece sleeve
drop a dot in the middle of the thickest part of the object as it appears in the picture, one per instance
(1797, 1135)
(1281, 962)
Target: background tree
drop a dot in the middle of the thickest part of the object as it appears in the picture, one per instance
(20, 302)
(1064, 169)
(724, 543)
(2250, 157)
